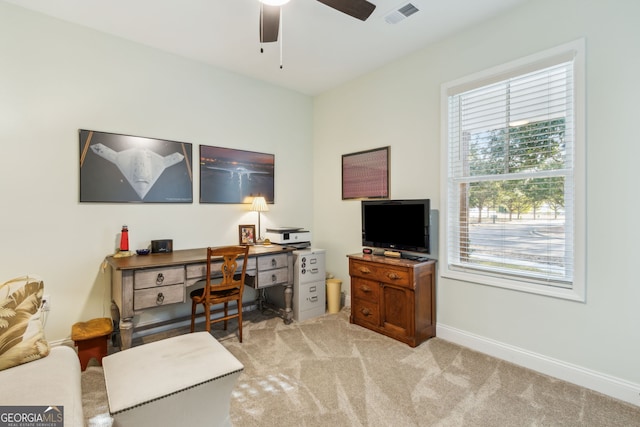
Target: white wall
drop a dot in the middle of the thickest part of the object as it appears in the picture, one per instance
(56, 78)
(596, 343)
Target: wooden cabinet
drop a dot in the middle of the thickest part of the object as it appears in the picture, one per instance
(393, 296)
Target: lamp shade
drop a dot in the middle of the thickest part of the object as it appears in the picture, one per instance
(259, 204)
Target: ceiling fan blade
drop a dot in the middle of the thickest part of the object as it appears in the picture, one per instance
(360, 9)
(269, 23)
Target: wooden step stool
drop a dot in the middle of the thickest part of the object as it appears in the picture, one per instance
(91, 339)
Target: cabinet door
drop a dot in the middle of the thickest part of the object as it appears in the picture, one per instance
(397, 310)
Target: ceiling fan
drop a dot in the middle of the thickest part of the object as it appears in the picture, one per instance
(270, 14)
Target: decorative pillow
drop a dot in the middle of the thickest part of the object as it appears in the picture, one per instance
(21, 329)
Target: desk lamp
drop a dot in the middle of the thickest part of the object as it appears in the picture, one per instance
(259, 205)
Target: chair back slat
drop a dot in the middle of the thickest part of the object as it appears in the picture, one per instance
(228, 268)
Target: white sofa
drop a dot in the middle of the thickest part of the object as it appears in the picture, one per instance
(51, 381)
(32, 373)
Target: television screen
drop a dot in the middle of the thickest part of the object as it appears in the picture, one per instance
(396, 224)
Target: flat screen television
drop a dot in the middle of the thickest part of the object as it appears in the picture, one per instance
(399, 225)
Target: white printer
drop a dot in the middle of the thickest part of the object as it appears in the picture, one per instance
(291, 236)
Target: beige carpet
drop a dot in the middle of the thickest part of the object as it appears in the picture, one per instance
(327, 372)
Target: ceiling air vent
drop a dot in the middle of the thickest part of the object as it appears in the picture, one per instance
(402, 12)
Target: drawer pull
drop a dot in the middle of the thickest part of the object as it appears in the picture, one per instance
(159, 279)
(313, 299)
(393, 276)
(365, 289)
(312, 289)
(274, 277)
(274, 263)
(364, 270)
(365, 311)
(160, 299)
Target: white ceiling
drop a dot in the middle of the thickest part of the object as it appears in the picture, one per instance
(321, 47)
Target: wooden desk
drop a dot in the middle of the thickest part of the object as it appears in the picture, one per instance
(144, 282)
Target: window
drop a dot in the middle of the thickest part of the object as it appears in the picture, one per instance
(514, 176)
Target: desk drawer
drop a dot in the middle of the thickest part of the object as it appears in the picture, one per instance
(154, 277)
(199, 271)
(196, 271)
(158, 296)
(273, 277)
(271, 262)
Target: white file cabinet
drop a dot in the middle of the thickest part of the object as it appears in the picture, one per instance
(309, 294)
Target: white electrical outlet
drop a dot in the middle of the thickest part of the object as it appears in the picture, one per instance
(46, 303)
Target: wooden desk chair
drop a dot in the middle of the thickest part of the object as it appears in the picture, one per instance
(229, 289)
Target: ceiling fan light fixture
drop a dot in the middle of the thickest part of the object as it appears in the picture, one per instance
(274, 2)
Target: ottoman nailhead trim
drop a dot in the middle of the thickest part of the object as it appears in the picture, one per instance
(176, 392)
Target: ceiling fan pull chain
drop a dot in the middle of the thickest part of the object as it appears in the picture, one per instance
(281, 37)
(261, 27)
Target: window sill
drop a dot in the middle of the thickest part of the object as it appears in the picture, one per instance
(572, 294)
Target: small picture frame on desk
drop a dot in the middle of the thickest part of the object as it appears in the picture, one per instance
(247, 234)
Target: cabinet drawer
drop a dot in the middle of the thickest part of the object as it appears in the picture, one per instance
(158, 296)
(272, 262)
(311, 296)
(366, 312)
(382, 273)
(153, 277)
(367, 290)
(273, 277)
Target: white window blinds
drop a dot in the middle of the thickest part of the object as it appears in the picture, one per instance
(510, 174)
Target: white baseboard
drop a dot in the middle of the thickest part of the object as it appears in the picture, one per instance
(602, 383)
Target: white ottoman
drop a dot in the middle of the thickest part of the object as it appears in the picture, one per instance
(185, 380)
